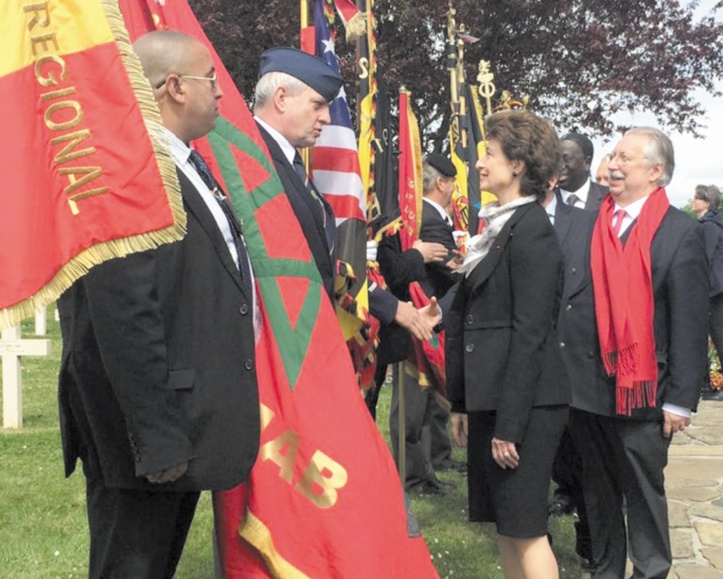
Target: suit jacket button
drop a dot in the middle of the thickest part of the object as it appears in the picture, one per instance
(469, 348)
(562, 345)
(249, 365)
(573, 270)
(568, 307)
(590, 355)
(244, 309)
(469, 319)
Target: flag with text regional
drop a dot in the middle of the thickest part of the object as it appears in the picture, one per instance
(71, 137)
(323, 498)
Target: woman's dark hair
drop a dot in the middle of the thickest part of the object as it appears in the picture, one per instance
(711, 194)
(526, 137)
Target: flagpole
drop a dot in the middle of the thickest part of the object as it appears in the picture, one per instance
(304, 21)
(304, 8)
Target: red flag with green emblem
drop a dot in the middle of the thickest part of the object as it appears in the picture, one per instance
(324, 498)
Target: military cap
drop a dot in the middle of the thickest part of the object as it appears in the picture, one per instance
(442, 164)
(308, 68)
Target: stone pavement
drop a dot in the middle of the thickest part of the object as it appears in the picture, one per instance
(694, 485)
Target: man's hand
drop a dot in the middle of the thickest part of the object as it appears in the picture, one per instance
(169, 475)
(673, 423)
(505, 454)
(432, 312)
(420, 325)
(458, 422)
(430, 251)
(456, 261)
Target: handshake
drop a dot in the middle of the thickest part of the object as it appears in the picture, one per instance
(420, 322)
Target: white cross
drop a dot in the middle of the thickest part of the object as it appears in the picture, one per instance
(12, 347)
(41, 321)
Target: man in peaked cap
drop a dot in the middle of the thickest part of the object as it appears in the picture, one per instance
(426, 440)
(291, 107)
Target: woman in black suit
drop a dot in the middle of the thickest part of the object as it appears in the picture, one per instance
(505, 375)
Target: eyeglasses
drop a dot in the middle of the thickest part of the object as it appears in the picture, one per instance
(212, 79)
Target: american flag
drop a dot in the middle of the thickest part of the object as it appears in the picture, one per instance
(335, 161)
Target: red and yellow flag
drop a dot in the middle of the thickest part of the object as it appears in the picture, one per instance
(324, 498)
(410, 172)
(84, 176)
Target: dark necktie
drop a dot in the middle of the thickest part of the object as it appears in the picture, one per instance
(301, 170)
(572, 199)
(243, 259)
(303, 175)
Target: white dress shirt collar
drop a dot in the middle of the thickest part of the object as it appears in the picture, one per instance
(581, 194)
(288, 149)
(551, 208)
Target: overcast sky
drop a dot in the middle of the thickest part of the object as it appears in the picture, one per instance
(697, 161)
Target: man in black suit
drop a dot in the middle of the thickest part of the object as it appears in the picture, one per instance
(291, 108)
(576, 187)
(649, 277)
(437, 227)
(435, 277)
(157, 388)
(575, 190)
(578, 344)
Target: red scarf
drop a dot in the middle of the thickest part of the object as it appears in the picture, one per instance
(623, 285)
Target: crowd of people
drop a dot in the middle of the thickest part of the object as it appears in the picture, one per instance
(576, 325)
(576, 332)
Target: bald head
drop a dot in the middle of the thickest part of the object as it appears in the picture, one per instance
(181, 72)
(162, 52)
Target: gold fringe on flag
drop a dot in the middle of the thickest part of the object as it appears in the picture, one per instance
(79, 265)
(356, 27)
(258, 535)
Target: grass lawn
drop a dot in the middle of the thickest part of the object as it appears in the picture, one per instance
(43, 529)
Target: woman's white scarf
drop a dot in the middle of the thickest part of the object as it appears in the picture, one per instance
(494, 218)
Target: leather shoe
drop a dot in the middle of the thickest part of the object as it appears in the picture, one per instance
(444, 485)
(451, 465)
(426, 488)
(712, 394)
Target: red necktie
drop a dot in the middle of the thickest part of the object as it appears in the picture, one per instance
(619, 216)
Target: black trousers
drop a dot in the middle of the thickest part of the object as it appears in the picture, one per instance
(136, 534)
(418, 411)
(715, 317)
(624, 458)
(435, 436)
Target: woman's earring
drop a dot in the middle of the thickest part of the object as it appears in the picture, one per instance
(515, 173)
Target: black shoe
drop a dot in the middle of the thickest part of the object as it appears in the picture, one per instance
(425, 489)
(451, 465)
(560, 505)
(444, 485)
(712, 394)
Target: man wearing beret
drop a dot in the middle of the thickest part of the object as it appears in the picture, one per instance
(423, 415)
(291, 108)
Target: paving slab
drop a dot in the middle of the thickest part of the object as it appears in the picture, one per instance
(714, 556)
(697, 572)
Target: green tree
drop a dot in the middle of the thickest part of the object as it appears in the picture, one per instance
(581, 61)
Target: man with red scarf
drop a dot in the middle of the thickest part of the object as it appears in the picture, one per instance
(649, 280)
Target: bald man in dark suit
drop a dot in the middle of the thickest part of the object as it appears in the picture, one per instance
(157, 387)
